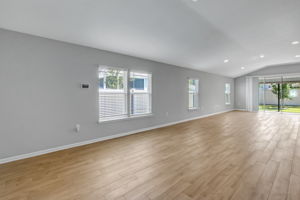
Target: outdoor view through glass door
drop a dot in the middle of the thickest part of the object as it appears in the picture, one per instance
(279, 94)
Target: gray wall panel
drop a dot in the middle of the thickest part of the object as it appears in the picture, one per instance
(41, 98)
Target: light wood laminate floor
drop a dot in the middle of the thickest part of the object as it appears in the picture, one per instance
(237, 155)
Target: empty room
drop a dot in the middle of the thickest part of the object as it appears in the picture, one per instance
(150, 100)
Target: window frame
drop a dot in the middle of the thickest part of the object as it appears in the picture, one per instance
(197, 93)
(227, 94)
(128, 94)
(149, 92)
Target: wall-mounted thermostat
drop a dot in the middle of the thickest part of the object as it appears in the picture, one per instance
(85, 85)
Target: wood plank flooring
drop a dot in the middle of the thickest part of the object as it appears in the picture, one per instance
(232, 156)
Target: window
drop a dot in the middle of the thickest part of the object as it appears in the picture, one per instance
(193, 93)
(122, 96)
(112, 94)
(227, 93)
(140, 93)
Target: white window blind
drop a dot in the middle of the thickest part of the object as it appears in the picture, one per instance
(140, 93)
(112, 94)
(122, 98)
(193, 85)
(227, 94)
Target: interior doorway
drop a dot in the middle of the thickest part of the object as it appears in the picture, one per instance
(279, 94)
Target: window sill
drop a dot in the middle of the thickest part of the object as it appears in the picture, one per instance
(193, 109)
(127, 118)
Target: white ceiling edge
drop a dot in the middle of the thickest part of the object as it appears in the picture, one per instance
(290, 64)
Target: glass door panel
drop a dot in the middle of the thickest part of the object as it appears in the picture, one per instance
(290, 100)
(270, 94)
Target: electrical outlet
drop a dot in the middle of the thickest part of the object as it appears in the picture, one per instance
(77, 128)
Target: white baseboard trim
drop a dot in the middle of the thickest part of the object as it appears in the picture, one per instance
(241, 109)
(68, 146)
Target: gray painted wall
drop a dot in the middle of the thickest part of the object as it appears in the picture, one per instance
(240, 82)
(41, 99)
(240, 92)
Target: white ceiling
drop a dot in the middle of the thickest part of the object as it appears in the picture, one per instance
(197, 35)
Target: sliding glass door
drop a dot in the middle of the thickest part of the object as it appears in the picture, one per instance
(269, 94)
(279, 94)
(290, 102)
